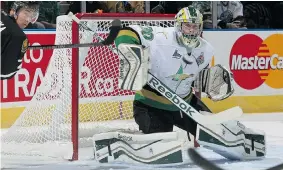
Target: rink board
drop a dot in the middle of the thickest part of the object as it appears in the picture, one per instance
(96, 112)
(265, 97)
(260, 104)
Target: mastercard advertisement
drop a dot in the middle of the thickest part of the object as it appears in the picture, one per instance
(261, 61)
(256, 60)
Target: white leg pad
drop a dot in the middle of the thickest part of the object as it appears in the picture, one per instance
(233, 140)
(157, 148)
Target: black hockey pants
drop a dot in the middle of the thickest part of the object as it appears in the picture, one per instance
(153, 120)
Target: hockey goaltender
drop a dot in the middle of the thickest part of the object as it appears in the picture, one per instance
(163, 64)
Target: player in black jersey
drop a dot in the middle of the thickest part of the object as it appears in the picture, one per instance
(14, 42)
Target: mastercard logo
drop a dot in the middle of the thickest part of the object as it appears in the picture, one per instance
(255, 61)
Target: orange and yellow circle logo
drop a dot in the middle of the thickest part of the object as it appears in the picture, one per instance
(254, 61)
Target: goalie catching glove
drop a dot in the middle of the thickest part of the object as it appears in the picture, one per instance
(216, 82)
(134, 65)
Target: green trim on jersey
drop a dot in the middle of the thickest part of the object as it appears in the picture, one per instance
(160, 102)
(128, 37)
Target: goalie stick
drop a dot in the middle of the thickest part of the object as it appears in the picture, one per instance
(218, 118)
(114, 30)
(208, 165)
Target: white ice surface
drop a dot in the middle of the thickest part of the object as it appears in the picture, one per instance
(273, 130)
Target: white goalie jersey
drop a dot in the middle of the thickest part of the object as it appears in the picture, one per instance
(170, 62)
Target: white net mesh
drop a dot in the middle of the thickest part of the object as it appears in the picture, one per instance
(102, 106)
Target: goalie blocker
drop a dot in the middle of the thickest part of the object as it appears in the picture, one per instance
(134, 65)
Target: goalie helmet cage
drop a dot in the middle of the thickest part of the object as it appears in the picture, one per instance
(68, 108)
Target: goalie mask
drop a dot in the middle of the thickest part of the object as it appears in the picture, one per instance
(188, 26)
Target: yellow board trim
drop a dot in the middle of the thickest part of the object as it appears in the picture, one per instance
(10, 115)
(249, 104)
(128, 33)
(119, 110)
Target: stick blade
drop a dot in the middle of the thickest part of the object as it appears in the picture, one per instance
(277, 167)
(221, 117)
(208, 165)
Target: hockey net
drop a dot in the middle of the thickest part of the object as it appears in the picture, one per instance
(68, 108)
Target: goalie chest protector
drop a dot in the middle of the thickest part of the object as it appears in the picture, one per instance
(170, 62)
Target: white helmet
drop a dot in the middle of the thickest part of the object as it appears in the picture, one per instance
(188, 26)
